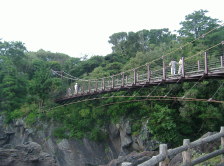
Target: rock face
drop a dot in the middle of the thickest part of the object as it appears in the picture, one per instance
(132, 159)
(21, 145)
(16, 150)
(129, 144)
(28, 154)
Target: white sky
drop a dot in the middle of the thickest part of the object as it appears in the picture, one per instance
(80, 27)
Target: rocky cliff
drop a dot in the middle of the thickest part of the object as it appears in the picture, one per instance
(21, 145)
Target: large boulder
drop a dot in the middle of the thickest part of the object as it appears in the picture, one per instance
(28, 154)
(132, 159)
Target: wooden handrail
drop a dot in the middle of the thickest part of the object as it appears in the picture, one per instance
(173, 152)
(206, 157)
(148, 75)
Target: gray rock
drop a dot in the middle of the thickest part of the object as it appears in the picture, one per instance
(29, 154)
(126, 164)
(19, 122)
(27, 146)
(132, 159)
(125, 131)
(8, 146)
(114, 130)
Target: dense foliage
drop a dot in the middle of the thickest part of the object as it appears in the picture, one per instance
(28, 86)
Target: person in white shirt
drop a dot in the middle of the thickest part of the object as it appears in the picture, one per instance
(173, 64)
(180, 66)
(69, 92)
(76, 88)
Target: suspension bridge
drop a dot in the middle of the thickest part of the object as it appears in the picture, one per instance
(205, 64)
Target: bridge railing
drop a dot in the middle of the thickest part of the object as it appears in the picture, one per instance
(107, 83)
(194, 65)
(142, 74)
(157, 71)
(118, 80)
(166, 155)
(99, 85)
(215, 60)
(129, 77)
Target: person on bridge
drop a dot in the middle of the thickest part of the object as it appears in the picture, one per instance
(180, 66)
(173, 64)
(69, 92)
(76, 88)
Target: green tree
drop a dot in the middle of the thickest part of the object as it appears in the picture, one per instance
(44, 85)
(117, 40)
(196, 24)
(86, 66)
(13, 81)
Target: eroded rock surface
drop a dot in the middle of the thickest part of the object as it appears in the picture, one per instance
(28, 154)
(23, 145)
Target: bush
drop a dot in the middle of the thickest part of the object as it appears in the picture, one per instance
(97, 135)
(31, 118)
(60, 133)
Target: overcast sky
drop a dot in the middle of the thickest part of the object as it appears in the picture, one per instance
(80, 27)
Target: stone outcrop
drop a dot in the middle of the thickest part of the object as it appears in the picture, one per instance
(28, 154)
(132, 159)
(16, 137)
(22, 145)
(133, 149)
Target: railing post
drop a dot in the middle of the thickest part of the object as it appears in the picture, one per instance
(148, 73)
(198, 65)
(89, 86)
(96, 85)
(221, 57)
(108, 83)
(112, 83)
(61, 75)
(164, 70)
(83, 90)
(77, 92)
(122, 79)
(103, 84)
(206, 63)
(137, 77)
(135, 80)
(222, 144)
(186, 154)
(118, 81)
(163, 151)
(183, 71)
(221, 60)
(126, 78)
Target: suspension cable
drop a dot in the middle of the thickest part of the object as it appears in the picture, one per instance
(193, 86)
(154, 89)
(184, 45)
(147, 98)
(216, 91)
(172, 88)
